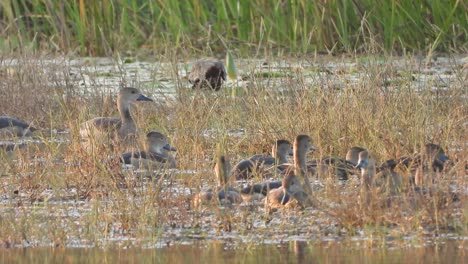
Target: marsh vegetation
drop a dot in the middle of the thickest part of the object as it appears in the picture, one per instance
(326, 70)
(56, 193)
(260, 27)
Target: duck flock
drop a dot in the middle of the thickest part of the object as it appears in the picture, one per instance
(294, 189)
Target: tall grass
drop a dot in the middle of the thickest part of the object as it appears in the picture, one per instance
(103, 27)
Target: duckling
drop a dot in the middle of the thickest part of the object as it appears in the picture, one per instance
(430, 161)
(384, 177)
(290, 191)
(224, 193)
(301, 147)
(246, 168)
(13, 127)
(260, 190)
(336, 166)
(111, 129)
(352, 156)
(296, 184)
(368, 170)
(156, 154)
(207, 73)
(388, 178)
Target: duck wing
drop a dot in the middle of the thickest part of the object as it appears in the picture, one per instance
(7, 121)
(262, 188)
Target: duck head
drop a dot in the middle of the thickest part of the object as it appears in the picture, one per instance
(129, 95)
(157, 142)
(281, 150)
(353, 154)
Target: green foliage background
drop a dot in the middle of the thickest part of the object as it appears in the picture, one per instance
(102, 27)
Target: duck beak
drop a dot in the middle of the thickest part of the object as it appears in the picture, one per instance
(361, 164)
(443, 158)
(144, 98)
(443, 161)
(168, 147)
(312, 148)
(291, 152)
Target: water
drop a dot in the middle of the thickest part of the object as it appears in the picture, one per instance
(219, 252)
(160, 79)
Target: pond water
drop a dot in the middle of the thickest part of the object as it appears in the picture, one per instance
(160, 79)
(220, 252)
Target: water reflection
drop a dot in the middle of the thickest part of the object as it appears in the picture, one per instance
(216, 252)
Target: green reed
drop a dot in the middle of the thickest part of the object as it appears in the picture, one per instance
(103, 27)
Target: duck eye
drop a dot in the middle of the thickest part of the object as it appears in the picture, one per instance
(133, 92)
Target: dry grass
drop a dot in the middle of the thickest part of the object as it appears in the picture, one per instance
(57, 193)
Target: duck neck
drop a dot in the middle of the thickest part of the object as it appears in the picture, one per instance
(221, 175)
(280, 159)
(419, 176)
(367, 176)
(127, 116)
(124, 111)
(300, 169)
